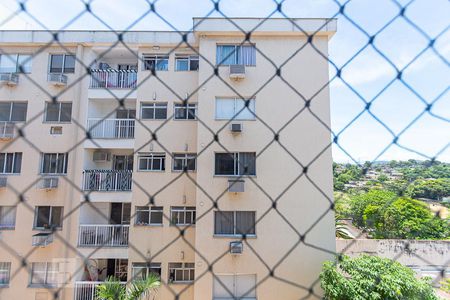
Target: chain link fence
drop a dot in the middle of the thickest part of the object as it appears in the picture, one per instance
(155, 138)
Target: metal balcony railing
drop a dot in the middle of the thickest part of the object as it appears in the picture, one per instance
(87, 290)
(103, 235)
(107, 180)
(113, 79)
(7, 130)
(111, 128)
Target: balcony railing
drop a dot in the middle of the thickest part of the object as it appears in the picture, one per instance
(113, 79)
(87, 290)
(111, 128)
(103, 235)
(7, 130)
(107, 180)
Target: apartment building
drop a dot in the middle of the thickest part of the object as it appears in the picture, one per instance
(125, 156)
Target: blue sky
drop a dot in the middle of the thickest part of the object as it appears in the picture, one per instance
(367, 74)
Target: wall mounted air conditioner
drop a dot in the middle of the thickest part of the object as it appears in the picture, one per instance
(101, 156)
(10, 79)
(237, 72)
(236, 127)
(236, 247)
(3, 181)
(7, 131)
(48, 183)
(57, 79)
(236, 185)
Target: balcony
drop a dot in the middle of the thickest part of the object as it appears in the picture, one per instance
(86, 290)
(103, 235)
(113, 79)
(107, 180)
(7, 130)
(111, 128)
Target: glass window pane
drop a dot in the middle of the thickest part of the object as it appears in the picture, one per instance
(247, 163)
(66, 112)
(17, 163)
(56, 63)
(8, 63)
(2, 162)
(224, 164)
(245, 222)
(223, 222)
(148, 113)
(180, 111)
(19, 112)
(157, 217)
(43, 216)
(226, 55)
(25, 62)
(52, 112)
(194, 63)
(245, 113)
(182, 64)
(224, 109)
(142, 216)
(162, 64)
(56, 216)
(60, 168)
(5, 111)
(69, 64)
(161, 113)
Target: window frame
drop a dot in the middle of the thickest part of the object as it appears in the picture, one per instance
(236, 172)
(154, 106)
(17, 64)
(150, 210)
(50, 216)
(65, 163)
(184, 157)
(5, 269)
(183, 210)
(3, 170)
(187, 107)
(236, 112)
(11, 106)
(183, 268)
(46, 282)
(63, 66)
(150, 157)
(11, 208)
(189, 58)
(47, 103)
(235, 54)
(234, 234)
(157, 58)
(145, 267)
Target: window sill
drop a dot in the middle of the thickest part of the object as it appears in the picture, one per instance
(52, 174)
(235, 176)
(182, 282)
(9, 174)
(149, 225)
(184, 119)
(234, 120)
(55, 122)
(152, 171)
(235, 236)
(7, 228)
(181, 171)
(4, 285)
(42, 286)
(182, 225)
(153, 119)
(49, 230)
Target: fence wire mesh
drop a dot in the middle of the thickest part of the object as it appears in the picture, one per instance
(22, 259)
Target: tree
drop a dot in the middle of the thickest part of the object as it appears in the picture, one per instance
(431, 188)
(372, 278)
(113, 289)
(374, 197)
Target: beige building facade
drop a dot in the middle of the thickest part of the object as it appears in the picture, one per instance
(181, 154)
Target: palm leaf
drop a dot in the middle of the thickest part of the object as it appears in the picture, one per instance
(143, 288)
(111, 289)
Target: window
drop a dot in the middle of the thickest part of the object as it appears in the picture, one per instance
(13, 111)
(182, 215)
(155, 111)
(44, 273)
(54, 163)
(5, 272)
(185, 112)
(7, 217)
(184, 160)
(152, 162)
(234, 286)
(235, 164)
(10, 163)
(234, 222)
(141, 270)
(62, 63)
(181, 272)
(146, 215)
(235, 109)
(186, 63)
(47, 217)
(11, 63)
(236, 55)
(156, 62)
(58, 112)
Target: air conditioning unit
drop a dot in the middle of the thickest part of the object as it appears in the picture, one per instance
(57, 79)
(3, 181)
(236, 127)
(103, 66)
(42, 239)
(7, 131)
(10, 79)
(236, 185)
(236, 247)
(48, 183)
(237, 72)
(101, 156)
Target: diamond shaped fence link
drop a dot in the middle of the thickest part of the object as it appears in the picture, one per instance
(215, 140)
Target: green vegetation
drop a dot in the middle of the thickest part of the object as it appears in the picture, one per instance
(431, 188)
(112, 289)
(445, 285)
(372, 278)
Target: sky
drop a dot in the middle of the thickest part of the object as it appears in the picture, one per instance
(363, 77)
